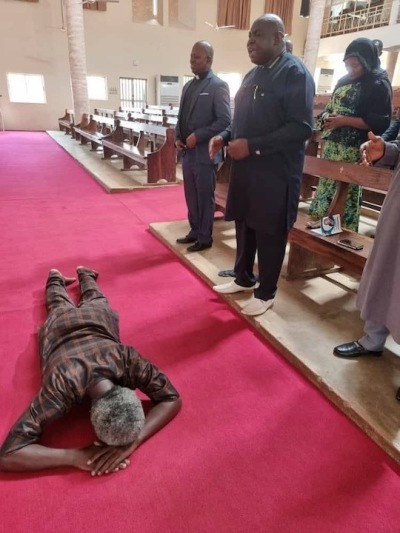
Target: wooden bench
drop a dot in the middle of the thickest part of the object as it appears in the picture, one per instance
(82, 124)
(95, 130)
(371, 199)
(137, 143)
(66, 123)
(104, 112)
(312, 254)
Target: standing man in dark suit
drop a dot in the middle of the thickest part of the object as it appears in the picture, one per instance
(273, 119)
(204, 112)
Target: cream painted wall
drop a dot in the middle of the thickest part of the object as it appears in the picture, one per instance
(32, 41)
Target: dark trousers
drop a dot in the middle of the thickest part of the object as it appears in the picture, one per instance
(199, 186)
(271, 253)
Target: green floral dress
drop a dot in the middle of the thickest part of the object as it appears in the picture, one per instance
(342, 144)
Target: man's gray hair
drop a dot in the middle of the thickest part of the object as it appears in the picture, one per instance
(117, 417)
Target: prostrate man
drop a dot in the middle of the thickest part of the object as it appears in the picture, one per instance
(81, 355)
(204, 112)
(273, 119)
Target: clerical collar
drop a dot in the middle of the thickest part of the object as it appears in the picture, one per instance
(202, 75)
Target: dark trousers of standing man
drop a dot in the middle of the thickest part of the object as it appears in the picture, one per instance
(271, 253)
(199, 185)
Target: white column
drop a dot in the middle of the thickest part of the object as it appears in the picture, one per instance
(391, 64)
(394, 13)
(77, 57)
(317, 10)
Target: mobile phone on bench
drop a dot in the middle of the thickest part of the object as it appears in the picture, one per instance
(348, 243)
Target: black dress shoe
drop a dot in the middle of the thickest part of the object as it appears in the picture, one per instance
(198, 247)
(353, 349)
(227, 274)
(186, 240)
(231, 274)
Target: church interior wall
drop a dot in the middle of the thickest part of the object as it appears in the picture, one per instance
(33, 41)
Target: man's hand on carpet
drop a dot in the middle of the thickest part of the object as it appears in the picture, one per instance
(106, 459)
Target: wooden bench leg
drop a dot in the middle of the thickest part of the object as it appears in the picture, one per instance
(305, 264)
(94, 146)
(107, 152)
(154, 172)
(128, 162)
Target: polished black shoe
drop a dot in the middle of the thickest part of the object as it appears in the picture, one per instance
(353, 349)
(198, 247)
(227, 274)
(186, 240)
(231, 274)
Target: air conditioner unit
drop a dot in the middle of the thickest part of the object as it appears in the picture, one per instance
(167, 90)
(325, 81)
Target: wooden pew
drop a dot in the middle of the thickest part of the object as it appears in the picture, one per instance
(66, 123)
(82, 124)
(312, 254)
(104, 112)
(160, 161)
(95, 130)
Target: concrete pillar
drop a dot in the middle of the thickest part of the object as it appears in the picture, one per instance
(77, 57)
(394, 13)
(391, 64)
(317, 10)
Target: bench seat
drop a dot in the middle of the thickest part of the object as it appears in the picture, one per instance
(129, 151)
(146, 146)
(312, 254)
(66, 122)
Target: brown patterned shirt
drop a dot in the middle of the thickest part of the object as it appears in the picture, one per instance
(79, 347)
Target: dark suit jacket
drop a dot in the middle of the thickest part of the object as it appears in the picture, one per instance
(208, 114)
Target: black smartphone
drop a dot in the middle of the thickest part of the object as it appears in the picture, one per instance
(348, 243)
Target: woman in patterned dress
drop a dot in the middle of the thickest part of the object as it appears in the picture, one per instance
(361, 102)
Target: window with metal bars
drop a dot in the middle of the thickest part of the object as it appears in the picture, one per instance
(133, 93)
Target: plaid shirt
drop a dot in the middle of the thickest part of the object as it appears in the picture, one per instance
(79, 347)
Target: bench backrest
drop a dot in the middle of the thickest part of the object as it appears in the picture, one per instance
(137, 116)
(372, 177)
(131, 109)
(104, 112)
(172, 112)
(345, 174)
(154, 111)
(150, 129)
(142, 135)
(171, 121)
(100, 119)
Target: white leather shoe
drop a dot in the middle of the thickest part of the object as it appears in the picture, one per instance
(257, 307)
(231, 288)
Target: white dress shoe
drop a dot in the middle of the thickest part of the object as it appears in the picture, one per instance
(257, 307)
(231, 288)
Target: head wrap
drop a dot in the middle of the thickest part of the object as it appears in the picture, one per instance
(365, 51)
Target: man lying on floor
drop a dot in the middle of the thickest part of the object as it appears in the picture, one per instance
(81, 355)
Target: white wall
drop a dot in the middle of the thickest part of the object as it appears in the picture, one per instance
(32, 41)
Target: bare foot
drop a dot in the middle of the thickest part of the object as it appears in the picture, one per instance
(88, 270)
(66, 280)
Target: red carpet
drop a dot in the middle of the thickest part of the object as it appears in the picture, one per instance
(256, 449)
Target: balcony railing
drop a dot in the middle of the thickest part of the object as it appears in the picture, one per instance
(356, 20)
